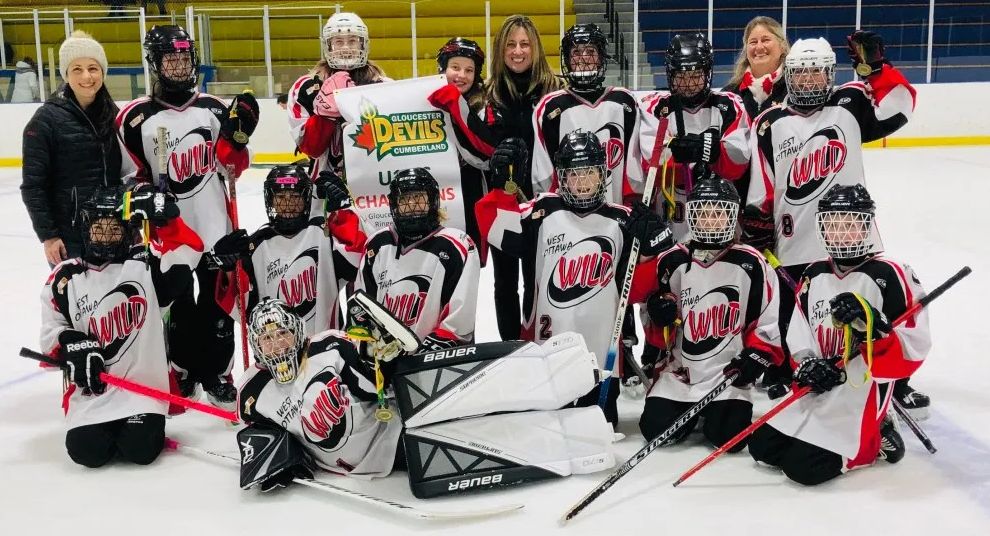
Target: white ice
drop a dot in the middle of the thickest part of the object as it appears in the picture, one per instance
(933, 208)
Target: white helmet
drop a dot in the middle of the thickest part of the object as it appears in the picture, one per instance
(345, 58)
(807, 58)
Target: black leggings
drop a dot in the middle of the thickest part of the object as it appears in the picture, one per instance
(138, 439)
(723, 420)
(507, 312)
(201, 334)
(801, 461)
(611, 405)
(782, 373)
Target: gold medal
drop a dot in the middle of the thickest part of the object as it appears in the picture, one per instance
(383, 415)
(240, 136)
(864, 70)
(511, 187)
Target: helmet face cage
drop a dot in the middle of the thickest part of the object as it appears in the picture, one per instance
(414, 201)
(584, 57)
(276, 336)
(172, 57)
(287, 199)
(809, 72)
(584, 187)
(106, 236)
(689, 66)
(845, 233)
(712, 221)
(345, 58)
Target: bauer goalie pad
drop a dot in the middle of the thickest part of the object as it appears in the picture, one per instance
(507, 449)
(368, 321)
(492, 377)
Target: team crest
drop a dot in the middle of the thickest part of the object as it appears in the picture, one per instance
(816, 165)
(582, 271)
(326, 412)
(711, 320)
(118, 318)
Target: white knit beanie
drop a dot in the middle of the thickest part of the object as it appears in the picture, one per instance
(80, 45)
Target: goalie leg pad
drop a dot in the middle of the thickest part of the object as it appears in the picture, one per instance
(485, 378)
(505, 450)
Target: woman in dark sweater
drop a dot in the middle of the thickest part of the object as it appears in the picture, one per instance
(70, 148)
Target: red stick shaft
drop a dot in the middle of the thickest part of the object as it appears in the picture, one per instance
(151, 392)
(232, 188)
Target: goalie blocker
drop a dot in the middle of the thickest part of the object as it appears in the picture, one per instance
(452, 443)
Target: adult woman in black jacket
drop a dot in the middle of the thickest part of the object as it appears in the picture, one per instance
(70, 148)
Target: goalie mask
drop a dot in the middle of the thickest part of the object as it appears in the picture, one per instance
(172, 57)
(345, 42)
(712, 210)
(288, 191)
(580, 165)
(584, 57)
(106, 235)
(845, 221)
(414, 201)
(277, 337)
(689, 68)
(809, 71)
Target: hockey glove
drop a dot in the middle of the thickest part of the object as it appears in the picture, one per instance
(307, 93)
(750, 363)
(820, 374)
(435, 343)
(662, 309)
(758, 228)
(271, 457)
(846, 309)
(866, 51)
(146, 204)
(325, 103)
(83, 357)
(646, 225)
(510, 152)
(695, 148)
(241, 120)
(230, 248)
(331, 187)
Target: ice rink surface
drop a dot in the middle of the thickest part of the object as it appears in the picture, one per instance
(933, 206)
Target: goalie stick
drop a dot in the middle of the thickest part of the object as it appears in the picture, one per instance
(384, 504)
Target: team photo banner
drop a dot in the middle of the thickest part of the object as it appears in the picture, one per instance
(392, 126)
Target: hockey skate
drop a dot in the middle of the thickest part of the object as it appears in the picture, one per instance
(222, 394)
(891, 444)
(914, 402)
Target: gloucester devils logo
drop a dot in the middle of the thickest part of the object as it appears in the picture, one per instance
(118, 317)
(189, 161)
(326, 412)
(816, 165)
(711, 321)
(611, 138)
(406, 298)
(297, 288)
(582, 272)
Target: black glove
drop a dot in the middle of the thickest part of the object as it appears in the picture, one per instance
(866, 52)
(230, 248)
(846, 309)
(695, 148)
(758, 229)
(512, 151)
(820, 374)
(241, 120)
(83, 357)
(308, 92)
(662, 309)
(432, 343)
(157, 207)
(750, 363)
(331, 187)
(654, 235)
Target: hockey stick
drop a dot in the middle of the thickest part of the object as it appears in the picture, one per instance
(801, 391)
(140, 389)
(326, 487)
(685, 417)
(234, 220)
(620, 313)
(911, 423)
(162, 148)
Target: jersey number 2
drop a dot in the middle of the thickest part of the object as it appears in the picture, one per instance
(546, 327)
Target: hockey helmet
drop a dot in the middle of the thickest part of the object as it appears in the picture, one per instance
(345, 56)
(809, 72)
(288, 191)
(277, 336)
(690, 61)
(459, 47)
(584, 57)
(106, 236)
(712, 211)
(581, 174)
(414, 201)
(172, 57)
(845, 221)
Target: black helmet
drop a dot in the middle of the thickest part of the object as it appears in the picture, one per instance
(712, 210)
(413, 227)
(104, 243)
(690, 53)
(584, 34)
(291, 178)
(581, 150)
(459, 47)
(845, 219)
(162, 40)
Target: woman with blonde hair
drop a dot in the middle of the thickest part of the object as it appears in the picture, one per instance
(757, 77)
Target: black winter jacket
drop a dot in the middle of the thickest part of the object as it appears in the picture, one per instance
(66, 157)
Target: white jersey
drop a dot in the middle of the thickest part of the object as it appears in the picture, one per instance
(846, 420)
(431, 286)
(306, 270)
(798, 157)
(329, 407)
(726, 304)
(615, 120)
(120, 305)
(573, 258)
(723, 111)
(196, 156)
